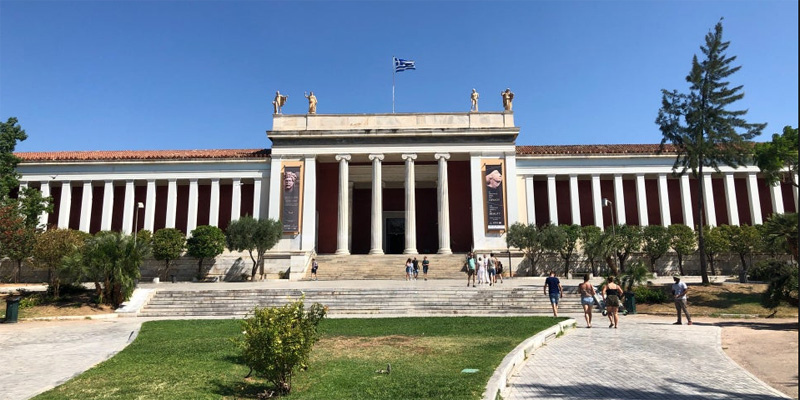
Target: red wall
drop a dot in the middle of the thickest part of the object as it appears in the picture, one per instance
(653, 204)
(460, 206)
(563, 204)
(585, 196)
(675, 202)
(327, 206)
(631, 206)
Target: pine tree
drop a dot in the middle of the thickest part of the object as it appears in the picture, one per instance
(698, 124)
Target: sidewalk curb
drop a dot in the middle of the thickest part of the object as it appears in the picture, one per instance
(71, 317)
(498, 383)
(139, 299)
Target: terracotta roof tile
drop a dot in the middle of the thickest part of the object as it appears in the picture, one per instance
(143, 155)
(589, 149)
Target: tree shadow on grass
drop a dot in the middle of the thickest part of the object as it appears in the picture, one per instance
(647, 391)
(240, 389)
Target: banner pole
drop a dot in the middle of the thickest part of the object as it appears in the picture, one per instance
(394, 70)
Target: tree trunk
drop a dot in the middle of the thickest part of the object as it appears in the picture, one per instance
(611, 266)
(566, 267)
(701, 243)
(19, 269)
(255, 267)
(594, 267)
(200, 269)
(743, 272)
(680, 264)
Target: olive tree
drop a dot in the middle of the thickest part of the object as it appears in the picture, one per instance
(682, 241)
(206, 242)
(567, 240)
(655, 243)
(51, 249)
(743, 241)
(168, 245)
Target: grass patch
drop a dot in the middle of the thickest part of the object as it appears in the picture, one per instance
(722, 300)
(39, 304)
(194, 359)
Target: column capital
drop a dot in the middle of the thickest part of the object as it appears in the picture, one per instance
(411, 156)
(573, 176)
(445, 156)
(345, 157)
(373, 157)
(214, 180)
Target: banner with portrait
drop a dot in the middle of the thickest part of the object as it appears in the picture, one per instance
(494, 195)
(292, 196)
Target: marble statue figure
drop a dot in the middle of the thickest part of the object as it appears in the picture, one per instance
(279, 101)
(508, 96)
(474, 97)
(312, 102)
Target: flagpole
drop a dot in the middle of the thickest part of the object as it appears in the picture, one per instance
(394, 70)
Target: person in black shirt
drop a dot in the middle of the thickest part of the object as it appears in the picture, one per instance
(554, 285)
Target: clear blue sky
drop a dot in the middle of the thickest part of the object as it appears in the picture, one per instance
(116, 75)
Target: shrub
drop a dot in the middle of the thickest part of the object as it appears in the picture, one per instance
(782, 284)
(651, 294)
(277, 340)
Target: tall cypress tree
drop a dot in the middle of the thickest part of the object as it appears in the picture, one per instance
(700, 126)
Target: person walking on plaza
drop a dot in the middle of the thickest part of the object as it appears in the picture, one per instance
(611, 293)
(314, 267)
(470, 269)
(554, 286)
(499, 273)
(486, 280)
(492, 262)
(587, 293)
(409, 269)
(415, 265)
(679, 290)
(481, 269)
(425, 264)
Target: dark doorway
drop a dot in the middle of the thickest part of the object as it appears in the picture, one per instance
(395, 235)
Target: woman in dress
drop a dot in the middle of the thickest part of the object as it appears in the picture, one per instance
(587, 293)
(481, 270)
(612, 293)
(409, 269)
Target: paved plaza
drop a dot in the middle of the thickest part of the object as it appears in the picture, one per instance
(646, 358)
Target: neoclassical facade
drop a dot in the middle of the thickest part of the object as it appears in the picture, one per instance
(391, 183)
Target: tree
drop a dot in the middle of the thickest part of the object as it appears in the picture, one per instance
(590, 244)
(780, 231)
(251, 235)
(778, 159)
(567, 242)
(168, 245)
(743, 240)
(655, 243)
(716, 244)
(532, 240)
(682, 241)
(698, 124)
(206, 242)
(51, 249)
(16, 238)
(627, 240)
(29, 201)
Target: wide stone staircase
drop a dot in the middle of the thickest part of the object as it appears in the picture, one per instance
(389, 266)
(412, 301)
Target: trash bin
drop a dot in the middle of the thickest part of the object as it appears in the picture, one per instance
(12, 308)
(630, 302)
(174, 279)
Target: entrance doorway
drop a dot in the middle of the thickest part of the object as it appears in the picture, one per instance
(395, 235)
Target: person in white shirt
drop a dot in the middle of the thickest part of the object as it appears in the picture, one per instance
(679, 290)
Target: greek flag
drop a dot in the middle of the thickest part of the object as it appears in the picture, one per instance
(401, 65)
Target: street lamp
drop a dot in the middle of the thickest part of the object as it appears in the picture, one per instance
(609, 204)
(136, 221)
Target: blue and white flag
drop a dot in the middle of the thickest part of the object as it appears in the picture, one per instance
(401, 65)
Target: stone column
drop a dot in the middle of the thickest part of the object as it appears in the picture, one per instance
(619, 201)
(575, 205)
(309, 220)
(342, 247)
(213, 209)
(150, 205)
(64, 205)
(108, 205)
(777, 198)
(45, 194)
(708, 200)
(730, 200)
(191, 218)
(444, 204)
(755, 200)
(597, 202)
(86, 206)
(127, 210)
(376, 217)
(529, 200)
(686, 202)
(411, 212)
(511, 196)
(552, 204)
(794, 191)
(663, 200)
(257, 198)
(172, 202)
(641, 200)
(236, 199)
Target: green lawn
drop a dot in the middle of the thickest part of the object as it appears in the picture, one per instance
(194, 359)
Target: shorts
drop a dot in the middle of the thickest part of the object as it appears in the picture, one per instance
(424, 270)
(409, 270)
(492, 272)
(470, 272)
(554, 297)
(587, 301)
(313, 270)
(612, 300)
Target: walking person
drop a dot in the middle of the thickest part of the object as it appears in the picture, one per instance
(612, 293)
(499, 273)
(679, 290)
(425, 264)
(314, 267)
(481, 270)
(486, 270)
(409, 269)
(587, 293)
(554, 286)
(491, 262)
(415, 265)
(470, 269)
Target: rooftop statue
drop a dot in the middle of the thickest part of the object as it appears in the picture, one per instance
(279, 101)
(312, 102)
(474, 97)
(508, 96)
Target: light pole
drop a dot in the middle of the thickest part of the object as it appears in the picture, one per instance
(136, 221)
(609, 204)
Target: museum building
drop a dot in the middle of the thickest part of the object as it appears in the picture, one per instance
(410, 183)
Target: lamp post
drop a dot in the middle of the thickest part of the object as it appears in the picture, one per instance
(609, 204)
(136, 221)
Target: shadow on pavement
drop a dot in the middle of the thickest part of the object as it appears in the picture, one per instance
(598, 392)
